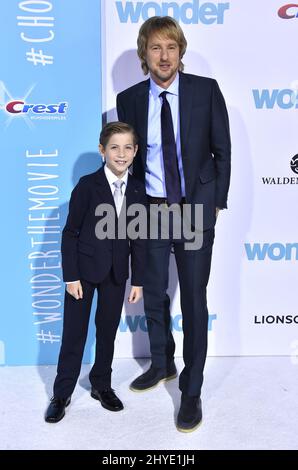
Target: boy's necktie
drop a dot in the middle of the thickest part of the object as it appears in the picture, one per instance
(169, 151)
(118, 198)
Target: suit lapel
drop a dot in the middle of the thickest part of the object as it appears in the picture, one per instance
(103, 188)
(131, 191)
(142, 105)
(185, 104)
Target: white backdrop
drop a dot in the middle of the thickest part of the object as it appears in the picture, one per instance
(250, 49)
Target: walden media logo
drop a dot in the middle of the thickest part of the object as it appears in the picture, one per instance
(294, 164)
(271, 251)
(284, 180)
(269, 99)
(193, 12)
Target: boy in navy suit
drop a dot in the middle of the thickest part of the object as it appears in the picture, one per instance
(91, 263)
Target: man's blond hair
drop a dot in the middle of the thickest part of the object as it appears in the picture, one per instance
(164, 26)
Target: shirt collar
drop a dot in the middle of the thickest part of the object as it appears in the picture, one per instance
(156, 90)
(112, 178)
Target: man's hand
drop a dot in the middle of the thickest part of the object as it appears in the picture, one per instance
(136, 293)
(217, 212)
(75, 289)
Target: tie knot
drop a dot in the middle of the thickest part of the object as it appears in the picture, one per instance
(163, 95)
(118, 184)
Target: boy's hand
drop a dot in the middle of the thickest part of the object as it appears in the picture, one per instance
(75, 289)
(136, 293)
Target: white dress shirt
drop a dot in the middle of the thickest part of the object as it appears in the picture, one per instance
(111, 177)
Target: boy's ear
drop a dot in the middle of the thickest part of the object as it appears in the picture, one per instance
(101, 151)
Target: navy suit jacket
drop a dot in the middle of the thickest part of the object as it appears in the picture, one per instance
(205, 139)
(86, 257)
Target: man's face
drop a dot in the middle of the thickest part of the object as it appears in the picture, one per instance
(163, 58)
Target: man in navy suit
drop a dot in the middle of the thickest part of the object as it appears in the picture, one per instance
(90, 263)
(198, 125)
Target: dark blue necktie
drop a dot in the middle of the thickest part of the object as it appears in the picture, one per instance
(169, 151)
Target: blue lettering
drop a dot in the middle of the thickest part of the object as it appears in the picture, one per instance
(208, 13)
(289, 249)
(27, 107)
(279, 254)
(288, 103)
(295, 98)
(175, 323)
(188, 19)
(52, 108)
(285, 99)
(255, 251)
(175, 10)
(62, 107)
(222, 7)
(188, 13)
(39, 108)
(157, 11)
(210, 320)
(143, 323)
(130, 323)
(274, 251)
(139, 322)
(264, 98)
(127, 11)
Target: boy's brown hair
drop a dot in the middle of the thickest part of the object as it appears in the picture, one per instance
(116, 127)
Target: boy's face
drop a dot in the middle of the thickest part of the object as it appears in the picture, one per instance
(119, 153)
(163, 59)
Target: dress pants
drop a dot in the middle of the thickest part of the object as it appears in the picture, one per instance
(193, 268)
(75, 329)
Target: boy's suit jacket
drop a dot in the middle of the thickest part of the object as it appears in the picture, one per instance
(86, 257)
(204, 133)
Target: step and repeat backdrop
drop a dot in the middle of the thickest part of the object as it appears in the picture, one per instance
(62, 65)
(50, 118)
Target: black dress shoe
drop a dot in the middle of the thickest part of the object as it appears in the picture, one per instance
(153, 377)
(56, 409)
(190, 414)
(108, 399)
